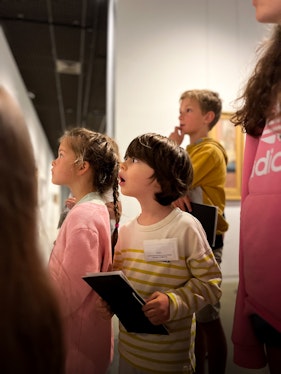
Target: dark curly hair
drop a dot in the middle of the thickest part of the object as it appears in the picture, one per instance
(170, 162)
(262, 91)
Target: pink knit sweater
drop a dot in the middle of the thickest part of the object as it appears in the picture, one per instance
(82, 246)
(260, 245)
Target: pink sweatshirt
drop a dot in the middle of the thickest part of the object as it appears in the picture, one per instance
(83, 245)
(260, 245)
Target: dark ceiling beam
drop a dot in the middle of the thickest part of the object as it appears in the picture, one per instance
(81, 58)
(55, 57)
(91, 63)
(42, 22)
(63, 65)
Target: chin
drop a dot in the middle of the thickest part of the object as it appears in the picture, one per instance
(267, 17)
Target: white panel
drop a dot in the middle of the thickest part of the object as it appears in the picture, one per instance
(154, 51)
(49, 194)
(167, 46)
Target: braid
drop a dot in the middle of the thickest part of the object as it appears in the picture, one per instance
(117, 213)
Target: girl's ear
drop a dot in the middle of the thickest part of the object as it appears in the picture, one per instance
(83, 167)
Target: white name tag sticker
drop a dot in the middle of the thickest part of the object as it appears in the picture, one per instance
(161, 249)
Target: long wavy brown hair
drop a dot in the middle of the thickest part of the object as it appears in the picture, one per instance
(263, 89)
(30, 323)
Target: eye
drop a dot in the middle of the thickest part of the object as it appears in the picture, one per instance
(130, 159)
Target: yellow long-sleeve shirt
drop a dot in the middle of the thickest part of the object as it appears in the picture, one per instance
(209, 162)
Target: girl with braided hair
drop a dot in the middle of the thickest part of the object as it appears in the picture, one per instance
(88, 164)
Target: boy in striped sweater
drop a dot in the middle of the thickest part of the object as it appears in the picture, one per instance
(166, 256)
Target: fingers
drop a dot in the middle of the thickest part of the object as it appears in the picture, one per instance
(103, 309)
(70, 202)
(157, 308)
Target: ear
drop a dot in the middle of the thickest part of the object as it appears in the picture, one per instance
(157, 187)
(209, 116)
(83, 168)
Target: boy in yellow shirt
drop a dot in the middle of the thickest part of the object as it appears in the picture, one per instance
(200, 110)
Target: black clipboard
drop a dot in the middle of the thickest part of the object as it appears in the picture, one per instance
(115, 288)
(208, 217)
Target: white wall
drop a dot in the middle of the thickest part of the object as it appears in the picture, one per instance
(49, 195)
(162, 47)
(165, 47)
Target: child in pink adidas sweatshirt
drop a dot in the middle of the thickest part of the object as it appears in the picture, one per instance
(257, 321)
(88, 165)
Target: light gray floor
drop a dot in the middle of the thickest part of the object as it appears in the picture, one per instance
(229, 288)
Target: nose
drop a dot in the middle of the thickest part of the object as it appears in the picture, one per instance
(123, 165)
(53, 162)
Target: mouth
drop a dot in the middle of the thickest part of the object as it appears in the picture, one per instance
(121, 179)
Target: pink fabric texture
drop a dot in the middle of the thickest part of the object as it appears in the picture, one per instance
(260, 246)
(83, 245)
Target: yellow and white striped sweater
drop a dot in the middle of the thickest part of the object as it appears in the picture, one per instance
(191, 282)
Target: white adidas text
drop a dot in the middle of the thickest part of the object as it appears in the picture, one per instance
(270, 163)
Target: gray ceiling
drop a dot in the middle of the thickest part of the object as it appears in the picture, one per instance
(60, 48)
